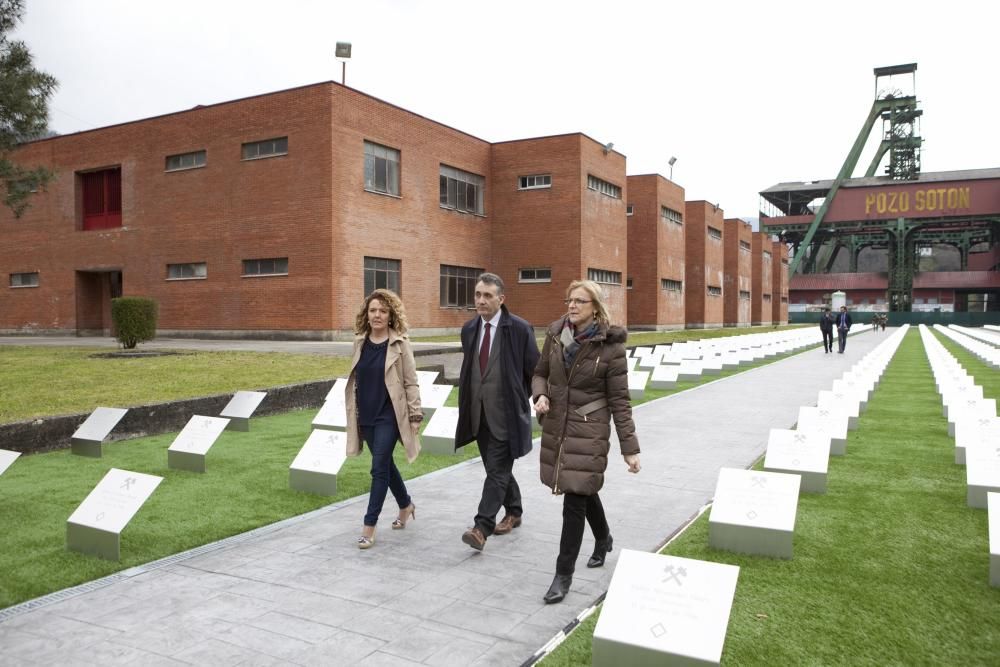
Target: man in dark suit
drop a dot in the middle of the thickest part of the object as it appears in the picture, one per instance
(493, 393)
(843, 326)
(826, 328)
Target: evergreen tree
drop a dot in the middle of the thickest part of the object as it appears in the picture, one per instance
(24, 112)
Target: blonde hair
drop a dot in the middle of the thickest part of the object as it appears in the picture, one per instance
(397, 314)
(596, 298)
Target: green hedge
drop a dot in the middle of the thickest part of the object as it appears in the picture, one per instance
(134, 318)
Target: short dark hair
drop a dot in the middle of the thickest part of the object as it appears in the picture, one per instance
(491, 279)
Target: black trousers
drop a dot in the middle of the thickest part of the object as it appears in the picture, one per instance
(842, 339)
(828, 340)
(576, 509)
(500, 488)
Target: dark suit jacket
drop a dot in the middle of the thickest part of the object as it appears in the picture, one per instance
(826, 323)
(517, 365)
(847, 321)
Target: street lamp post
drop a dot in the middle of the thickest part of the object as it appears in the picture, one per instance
(343, 51)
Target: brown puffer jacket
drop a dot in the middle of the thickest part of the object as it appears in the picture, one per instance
(574, 452)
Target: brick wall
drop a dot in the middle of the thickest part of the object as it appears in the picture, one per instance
(737, 272)
(656, 251)
(779, 285)
(703, 264)
(761, 278)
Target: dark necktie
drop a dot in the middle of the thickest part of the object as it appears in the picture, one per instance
(484, 350)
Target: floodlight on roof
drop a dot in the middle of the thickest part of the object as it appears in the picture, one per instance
(343, 50)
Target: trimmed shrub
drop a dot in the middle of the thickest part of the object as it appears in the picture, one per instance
(134, 318)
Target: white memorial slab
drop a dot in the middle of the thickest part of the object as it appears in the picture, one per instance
(663, 377)
(971, 432)
(188, 450)
(647, 363)
(842, 402)
(7, 458)
(426, 377)
(96, 525)
(438, 436)
(433, 397)
(87, 439)
(642, 351)
(970, 409)
(799, 452)
(332, 415)
(689, 369)
(754, 512)
(637, 384)
(664, 610)
(993, 510)
(982, 473)
(711, 365)
(854, 391)
(317, 464)
(337, 390)
(240, 408)
(831, 422)
(630, 363)
(956, 393)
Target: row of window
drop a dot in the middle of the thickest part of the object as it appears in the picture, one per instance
(602, 186)
(604, 276)
(714, 234)
(253, 150)
(270, 266)
(744, 246)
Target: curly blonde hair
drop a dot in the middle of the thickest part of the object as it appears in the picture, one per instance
(397, 314)
(596, 296)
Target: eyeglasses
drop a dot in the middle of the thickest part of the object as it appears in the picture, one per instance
(577, 302)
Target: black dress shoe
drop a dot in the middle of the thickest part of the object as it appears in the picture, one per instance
(601, 550)
(559, 588)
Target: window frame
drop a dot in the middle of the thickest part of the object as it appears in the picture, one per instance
(195, 275)
(668, 285)
(22, 285)
(196, 165)
(522, 182)
(375, 270)
(606, 188)
(456, 274)
(713, 233)
(259, 274)
(449, 181)
(604, 276)
(712, 290)
(670, 215)
(110, 193)
(535, 279)
(263, 156)
(372, 157)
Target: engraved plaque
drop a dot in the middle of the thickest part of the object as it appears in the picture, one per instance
(317, 464)
(86, 441)
(425, 378)
(975, 431)
(7, 458)
(664, 610)
(663, 377)
(799, 452)
(433, 397)
(332, 416)
(982, 473)
(438, 436)
(831, 422)
(240, 408)
(188, 450)
(96, 525)
(839, 401)
(754, 512)
(338, 390)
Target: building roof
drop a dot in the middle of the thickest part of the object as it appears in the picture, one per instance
(823, 186)
(957, 279)
(839, 281)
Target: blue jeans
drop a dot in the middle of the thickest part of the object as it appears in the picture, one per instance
(381, 440)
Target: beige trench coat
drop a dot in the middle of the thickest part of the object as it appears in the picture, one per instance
(404, 392)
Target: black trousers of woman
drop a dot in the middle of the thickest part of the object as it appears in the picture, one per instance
(577, 509)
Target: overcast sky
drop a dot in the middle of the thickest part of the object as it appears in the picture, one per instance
(744, 94)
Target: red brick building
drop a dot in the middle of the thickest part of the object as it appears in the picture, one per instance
(761, 278)
(779, 283)
(656, 252)
(274, 215)
(703, 236)
(737, 270)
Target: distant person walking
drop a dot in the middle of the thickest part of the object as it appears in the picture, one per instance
(383, 404)
(493, 392)
(843, 326)
(581, 382)
(826, 328)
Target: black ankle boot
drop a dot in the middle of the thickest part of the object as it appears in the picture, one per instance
(601, 549)
(559, 588)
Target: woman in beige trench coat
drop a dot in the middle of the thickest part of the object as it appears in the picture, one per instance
(383, 404)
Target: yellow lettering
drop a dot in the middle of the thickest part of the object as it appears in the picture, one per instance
(963, 198)
(880, 202)
(869, 202)
(919, 200)
(932, 200)
(893, 197)
(941, 197)
(952, 198)
(904, 201)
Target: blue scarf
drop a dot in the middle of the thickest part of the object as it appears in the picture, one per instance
(571, 344)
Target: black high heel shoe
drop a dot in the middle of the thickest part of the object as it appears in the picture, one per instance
(601, 550)
(559, 588)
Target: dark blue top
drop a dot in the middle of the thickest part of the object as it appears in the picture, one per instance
(374, 404)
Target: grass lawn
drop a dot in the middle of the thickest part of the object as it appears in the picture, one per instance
(986, 376)
(890, 565)
(39, 381)
(245, 487)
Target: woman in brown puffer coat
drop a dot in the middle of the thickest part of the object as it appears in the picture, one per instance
(581, 381)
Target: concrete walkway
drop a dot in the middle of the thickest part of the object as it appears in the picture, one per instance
(301, 593)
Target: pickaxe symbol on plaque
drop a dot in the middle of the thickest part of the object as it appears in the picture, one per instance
(800, 437)
(129, 481)
(674, 574)
(758, 481)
